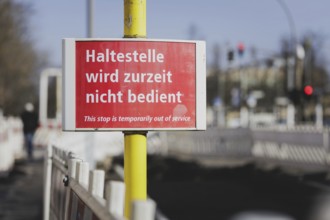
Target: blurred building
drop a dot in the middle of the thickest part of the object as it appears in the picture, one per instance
(263, 87)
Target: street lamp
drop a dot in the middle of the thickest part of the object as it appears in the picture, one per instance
(293, 33)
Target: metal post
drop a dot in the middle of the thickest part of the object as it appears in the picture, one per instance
(135, 153)
(135, 19)
(135, 169)
(89, 136)
(90, 10)
(47, 181)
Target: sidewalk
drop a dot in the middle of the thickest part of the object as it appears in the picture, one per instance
(22, 191)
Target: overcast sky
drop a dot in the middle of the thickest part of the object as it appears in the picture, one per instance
(258, 23)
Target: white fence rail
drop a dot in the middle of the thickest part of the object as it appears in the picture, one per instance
(72, 191)
(305, 147)
(214, 142)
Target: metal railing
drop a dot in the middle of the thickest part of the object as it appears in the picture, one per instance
(305, 147)
(72, 191)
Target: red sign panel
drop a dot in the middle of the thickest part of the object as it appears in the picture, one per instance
(145, 85)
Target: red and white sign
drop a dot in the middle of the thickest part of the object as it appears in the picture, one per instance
(134, 84)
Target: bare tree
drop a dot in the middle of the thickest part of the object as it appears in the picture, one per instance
(18, 58)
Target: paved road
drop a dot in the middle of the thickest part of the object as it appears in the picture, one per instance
(189, 191)
(21, 192)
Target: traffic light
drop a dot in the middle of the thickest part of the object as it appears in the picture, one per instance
(295, 96)
(308, 90)
(230, 55)
(308, 93)
(240, 49)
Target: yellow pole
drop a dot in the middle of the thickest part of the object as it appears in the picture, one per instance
(135, 19)
(135, 169)
(135, 153)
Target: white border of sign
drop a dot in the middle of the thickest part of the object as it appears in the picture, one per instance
(69, 84)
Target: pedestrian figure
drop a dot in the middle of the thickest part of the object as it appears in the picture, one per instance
(30, 123)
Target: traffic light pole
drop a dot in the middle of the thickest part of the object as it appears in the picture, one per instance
(135, 152)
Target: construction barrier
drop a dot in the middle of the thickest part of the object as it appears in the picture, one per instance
(304, 147)
(11, 143)
(72, 191)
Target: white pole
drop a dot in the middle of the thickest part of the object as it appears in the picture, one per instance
(89, 136)
(319, 116)
(115, 197)
(143, 210)
(59, 99)
(73, 167)
(82, 174)
(90, 10)
(244, 117)
(89, 148)
(96, 182)
(43, 94)
(290, 115)
(47, 182)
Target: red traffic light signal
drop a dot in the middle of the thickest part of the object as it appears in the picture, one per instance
(240, 48)
(308, 90)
